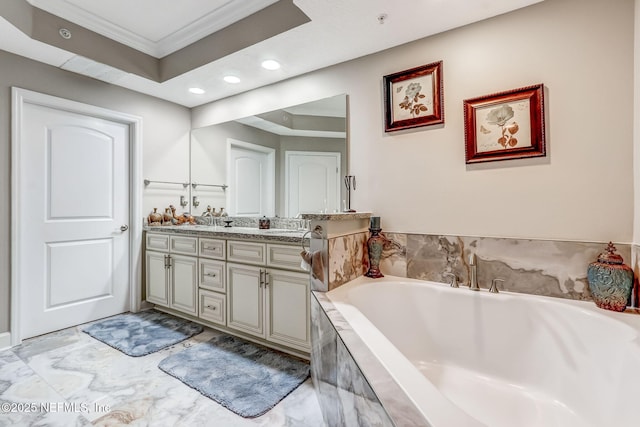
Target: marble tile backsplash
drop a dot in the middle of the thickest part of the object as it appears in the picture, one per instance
(347, 258)
(538, 267)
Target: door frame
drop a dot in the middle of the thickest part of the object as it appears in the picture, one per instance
(20, 97)
(287, 172)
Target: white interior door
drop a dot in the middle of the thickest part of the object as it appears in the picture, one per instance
(312, 182)
(73, 194)
(251, 170)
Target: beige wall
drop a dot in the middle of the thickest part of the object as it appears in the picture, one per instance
(582, 50)
(165, 134)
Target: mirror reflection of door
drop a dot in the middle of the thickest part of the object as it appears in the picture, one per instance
(251, 178)
(312, 182)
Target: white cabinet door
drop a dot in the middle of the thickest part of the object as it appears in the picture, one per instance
(245, 299)
(157, 278)
(288, 309)
(184, 284)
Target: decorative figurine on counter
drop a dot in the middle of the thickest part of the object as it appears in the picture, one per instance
(154, 218)
(206, 218)
(610, 281)
(185, 218)
(167, 217)
(375, 244)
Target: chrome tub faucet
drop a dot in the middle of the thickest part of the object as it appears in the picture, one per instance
(473, 279)
(454, 279)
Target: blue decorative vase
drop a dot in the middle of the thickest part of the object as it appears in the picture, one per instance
(610, 281)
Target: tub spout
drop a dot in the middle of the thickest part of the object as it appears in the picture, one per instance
(454, 279)
(473, 279)
(494, 285)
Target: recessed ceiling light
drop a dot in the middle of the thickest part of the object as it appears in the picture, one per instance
(270, 64)
(196, 90)
(231, 79)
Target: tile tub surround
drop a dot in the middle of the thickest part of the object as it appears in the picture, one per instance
(353, 388)
(538, 267)
(348, 258)
(341, 238)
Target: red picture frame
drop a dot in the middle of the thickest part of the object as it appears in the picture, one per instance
(506, 125)
(414, 98)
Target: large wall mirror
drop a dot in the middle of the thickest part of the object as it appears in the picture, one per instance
(279, 163)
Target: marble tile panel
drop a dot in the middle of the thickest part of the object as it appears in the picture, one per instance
(347, 258)
(396, 404)
(324, 360)
(635, 265)
(361, 405)
(539, 267)
(394, 255)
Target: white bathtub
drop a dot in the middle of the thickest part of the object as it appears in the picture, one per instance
(501, 360)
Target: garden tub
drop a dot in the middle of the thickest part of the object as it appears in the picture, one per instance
(467, 358)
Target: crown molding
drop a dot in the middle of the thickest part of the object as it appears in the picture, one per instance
(231, 11)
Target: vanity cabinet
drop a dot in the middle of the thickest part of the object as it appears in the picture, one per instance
(268, 302)
(255, 289)
(171, 272)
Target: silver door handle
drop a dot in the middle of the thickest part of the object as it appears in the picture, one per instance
(124, 228)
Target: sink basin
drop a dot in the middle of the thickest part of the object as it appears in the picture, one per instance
(283, 231)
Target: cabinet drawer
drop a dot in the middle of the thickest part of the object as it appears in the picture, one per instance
(184, 245)
(247, 252)
(212, 307)
(282, 256)
(158, 242)
(211, 248)
(211, 275)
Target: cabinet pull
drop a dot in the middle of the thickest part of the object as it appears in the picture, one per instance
(210, 248)
(211, 307)
(261, 280)
(266, 278)
(210, 274)
(167, 261)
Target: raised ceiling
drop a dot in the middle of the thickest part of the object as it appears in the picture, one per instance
(155, 27)
(164, 47)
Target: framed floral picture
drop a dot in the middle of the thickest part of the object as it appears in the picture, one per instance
(505, 125)
(413, 98)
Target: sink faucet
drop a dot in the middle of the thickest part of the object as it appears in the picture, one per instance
(473, 280)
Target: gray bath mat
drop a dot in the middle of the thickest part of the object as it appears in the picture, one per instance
(139, 334)
(245, 378)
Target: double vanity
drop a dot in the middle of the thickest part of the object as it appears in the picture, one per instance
(244, 281)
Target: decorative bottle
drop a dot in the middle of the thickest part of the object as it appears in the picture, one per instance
(375, 244)
(610, 281)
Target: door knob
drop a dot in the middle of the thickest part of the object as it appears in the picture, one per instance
(124, 227)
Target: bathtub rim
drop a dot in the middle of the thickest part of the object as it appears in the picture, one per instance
(630, 317)
(402, 411)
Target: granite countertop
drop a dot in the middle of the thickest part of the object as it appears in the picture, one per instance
(246, 233)
(338, 216)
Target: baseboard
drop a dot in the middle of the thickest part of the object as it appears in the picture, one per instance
(5, 340)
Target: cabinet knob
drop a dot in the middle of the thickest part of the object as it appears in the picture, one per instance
(124, 227)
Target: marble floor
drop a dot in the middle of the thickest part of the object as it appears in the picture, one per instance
(67, 378)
